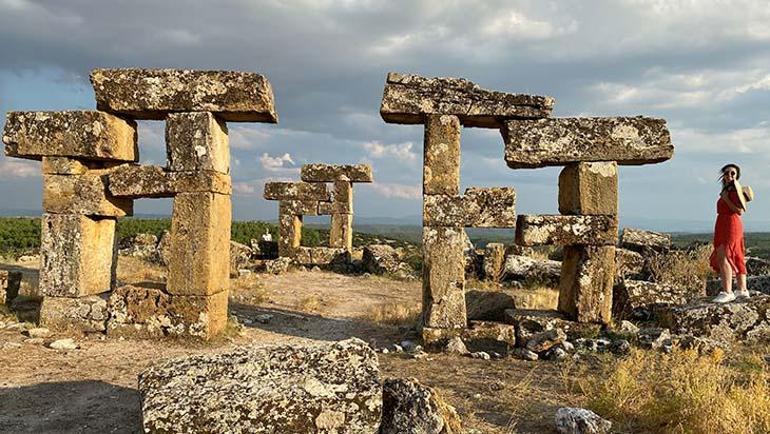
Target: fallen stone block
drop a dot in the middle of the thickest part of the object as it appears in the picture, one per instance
(79, 134)
(628, 263)
(138, 182)
(408, 407)
(443, 278)
(520, 267)
(380, 259)
(78, 255)
(10, 283)
(741, 320)
(197, 142)
(341, 231)
(296, 191)
(199, 262)
(409, 98)
(336, 172)
(637, 299)
(561, 141)
(477, 335)
(483, 305)
(87, 314)
(320, 388)
(441, 155)
(589, 189)
(587, 278)
(154, 93)
(757, 266)
(580, 421)
(645, 242)
(494, 261)
(530, 323)
(478, 208)
(83, 194)
(566, 230)
(299, 207)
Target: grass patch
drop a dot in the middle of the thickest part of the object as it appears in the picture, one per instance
(682, 392)
(686, 268)
(249, 289)
(311, 303)
(394, 314)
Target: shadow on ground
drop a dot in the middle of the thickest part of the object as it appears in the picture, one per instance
(70, 407)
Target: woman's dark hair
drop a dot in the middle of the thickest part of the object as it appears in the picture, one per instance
(727, 166)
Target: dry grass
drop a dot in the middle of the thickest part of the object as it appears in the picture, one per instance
(394, 313)
(681, 392)
(536, 297)
(311, 303)
(484, 285)
(249, 289)
(682, 268)
(134, 270)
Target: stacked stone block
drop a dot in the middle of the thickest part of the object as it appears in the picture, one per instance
(444, 106)
(312, 197)
(90, 180)
(590, 149)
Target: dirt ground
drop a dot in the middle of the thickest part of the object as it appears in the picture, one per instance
(93, 389)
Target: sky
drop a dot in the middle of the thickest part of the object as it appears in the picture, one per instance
(703, 65)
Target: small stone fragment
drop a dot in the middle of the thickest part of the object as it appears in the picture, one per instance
(408, 407)
(64, 344)
(580, 421)
(525, 354)
(456, 346)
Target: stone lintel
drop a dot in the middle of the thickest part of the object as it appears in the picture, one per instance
(566, 230)
(83, 134)
(137, 181)
(336, 172)
(154, 93)
(407, 99)
(493, 207)
(562, 141)
(296, 191)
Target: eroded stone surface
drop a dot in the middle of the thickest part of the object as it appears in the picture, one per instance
(580, 421)
(587, 277)
(70, 166)
(87, 313)
(494, 261)
(488, 305)
(197, 141)
(520, 267)
(137, 182)
(589, 189)
(645, 242)
(336, 172)
(341, 231)
(296, 191)
(81, 134)
(628, 263)
(443, 277)
(10, 282)
(479, 208)
(299, 207)
(566, 230)
(560, 141)
(153, 93)
(408, 407)
(441, 155)
(321, 388)
(642, 300)
(408, 98)
(83, 194)
(742, 320)
(77, 255)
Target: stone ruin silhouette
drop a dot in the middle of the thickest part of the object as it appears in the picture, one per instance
(310, 197)
(90, 179)
(589, 149)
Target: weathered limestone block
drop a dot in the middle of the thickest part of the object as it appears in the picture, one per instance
(197, 141)
(78, 255)
(200, 244)
(566, 230)
(10, 283)
(299, 207)
(477, 336)
(757, 266)
(488, 305)
(628, 263)
(331, 208)
(441, 155)
(530, 323)
(195, 316)
(318, 388)
(589, 189)
(336, 172)
(83, 194)
(520, 267)
(645, 242)
(321, 255)
(341, 231)
(289, 234)
(443, 283)
(88, 314)
(570, 420)
(409, 98)
(80, 134)
(343, 193)
(154, 181)
(478, 208)
(153, 93)
(494, 261)
(741, 320)
(643, 300)
(380, 259)
(408, 407)
(560, 141)
(70, 166)
(587, 277)
(240, 257)
(296, 191)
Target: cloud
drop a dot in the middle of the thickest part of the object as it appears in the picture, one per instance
(10, 169)
(276, 164)
(400, 151)
(397, 191)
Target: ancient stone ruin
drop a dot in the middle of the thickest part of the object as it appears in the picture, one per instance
(90, 179)
(589, 149)
(311, 197)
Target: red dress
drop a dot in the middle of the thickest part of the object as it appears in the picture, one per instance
(728, 232)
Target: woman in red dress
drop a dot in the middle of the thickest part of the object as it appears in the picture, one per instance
(728, 257)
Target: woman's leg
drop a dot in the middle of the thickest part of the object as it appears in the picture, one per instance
(742, 283)
(725, 271)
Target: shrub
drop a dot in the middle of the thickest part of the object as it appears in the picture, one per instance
(687, 268)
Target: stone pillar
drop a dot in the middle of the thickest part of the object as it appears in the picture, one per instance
(588, 272)
(289, 233)
(494, 261)
(443, 266)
